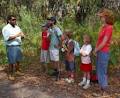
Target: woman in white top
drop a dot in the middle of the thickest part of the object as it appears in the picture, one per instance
(86, 65)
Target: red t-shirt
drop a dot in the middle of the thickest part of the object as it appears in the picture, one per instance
(105, 31)
(45, 40)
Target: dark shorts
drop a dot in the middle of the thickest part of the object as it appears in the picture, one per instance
(70, 66)
(14, 54)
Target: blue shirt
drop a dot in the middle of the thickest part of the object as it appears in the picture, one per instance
(55, 34)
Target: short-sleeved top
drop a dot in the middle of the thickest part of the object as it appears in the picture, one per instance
(85, 51)
(105, 31)
(55, 34)
(45, 40)
(8, 31)
(69, 55)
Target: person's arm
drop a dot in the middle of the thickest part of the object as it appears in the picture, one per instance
(40, 41)
(105, 39)
(21, 34)
(108, 34)
(87, 51)
(59, 35)
(11, 37)
(7, 36)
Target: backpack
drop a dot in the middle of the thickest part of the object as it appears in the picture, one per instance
(76, 48)
(93, 76)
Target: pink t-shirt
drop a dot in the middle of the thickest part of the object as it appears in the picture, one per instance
(105, 31)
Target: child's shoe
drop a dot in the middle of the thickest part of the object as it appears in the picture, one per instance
(82, 83)
(86, 86)
(66, 79)
(70, 80)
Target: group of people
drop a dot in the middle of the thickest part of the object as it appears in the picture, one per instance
(54, 41)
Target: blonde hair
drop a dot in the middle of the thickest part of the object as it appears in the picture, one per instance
(108, 14)
(69, 33)
(88, 37)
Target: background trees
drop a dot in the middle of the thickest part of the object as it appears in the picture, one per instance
(78, 15)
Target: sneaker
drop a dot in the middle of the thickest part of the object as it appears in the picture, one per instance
(66, 79)
(70, 80)
(81, 83)
(105, 94)
(19, 73)
(10, 77)
(96, 95)
(86, 86)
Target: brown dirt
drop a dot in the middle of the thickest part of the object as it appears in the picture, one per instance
(35, 84)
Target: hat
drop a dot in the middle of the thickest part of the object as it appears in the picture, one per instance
(45, 25)
(53, 18)
(105, 12)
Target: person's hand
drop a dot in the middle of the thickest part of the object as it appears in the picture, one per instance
(57, 46)
(95, 52)
(39, 48)
(20, 34)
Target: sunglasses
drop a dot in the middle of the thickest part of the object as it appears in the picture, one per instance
(13, 19)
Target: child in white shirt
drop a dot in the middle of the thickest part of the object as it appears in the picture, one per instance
(86, 65)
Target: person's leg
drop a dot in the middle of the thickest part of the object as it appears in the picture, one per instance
(44, 59)
(18, 66)
(11, 72)
(87, 85)
(54, 56)
(10, 69)
(84, 79)
(11, 60)
(18, 57)
(88, 75)
(57, 69)
(47, 56)
(102, 64)
(72, 69)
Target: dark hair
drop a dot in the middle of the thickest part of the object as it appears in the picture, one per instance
(55, 22)
(9, 17)
(53, 18)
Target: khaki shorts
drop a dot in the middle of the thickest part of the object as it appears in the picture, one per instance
(54, 55)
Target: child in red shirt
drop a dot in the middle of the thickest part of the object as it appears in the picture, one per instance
(44, 56)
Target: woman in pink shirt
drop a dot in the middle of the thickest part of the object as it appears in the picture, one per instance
(103, 47)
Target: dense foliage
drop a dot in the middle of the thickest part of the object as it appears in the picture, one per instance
(77, 15)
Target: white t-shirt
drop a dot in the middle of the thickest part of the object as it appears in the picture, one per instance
(8, 31)
(85, 54)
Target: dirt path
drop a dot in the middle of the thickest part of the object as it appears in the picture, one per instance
(17, 89)
(41, 86)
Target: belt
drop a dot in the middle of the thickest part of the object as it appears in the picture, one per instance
(13, 45)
